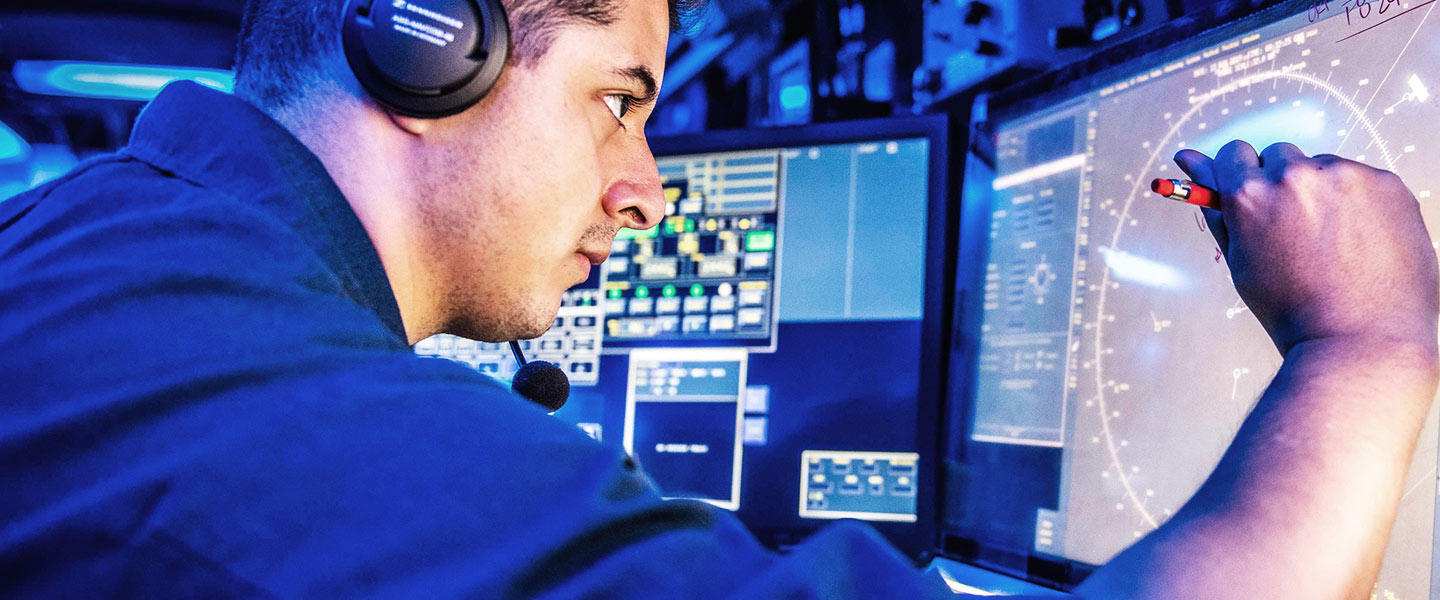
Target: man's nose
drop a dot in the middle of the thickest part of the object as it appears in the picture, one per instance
(635, 198)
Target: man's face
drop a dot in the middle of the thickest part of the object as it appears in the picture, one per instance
(520, 195)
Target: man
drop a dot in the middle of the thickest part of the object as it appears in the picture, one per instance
(209, 389)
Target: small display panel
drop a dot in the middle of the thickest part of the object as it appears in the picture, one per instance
(874, 486)
(683, 415)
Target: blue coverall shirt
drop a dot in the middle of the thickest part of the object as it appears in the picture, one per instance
(206, 392)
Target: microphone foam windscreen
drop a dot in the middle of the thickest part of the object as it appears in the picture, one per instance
(542, 383)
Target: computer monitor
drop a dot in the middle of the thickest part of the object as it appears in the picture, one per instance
(1106, 360)
(776, 345)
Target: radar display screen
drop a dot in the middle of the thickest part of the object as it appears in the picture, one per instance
(1110, 332)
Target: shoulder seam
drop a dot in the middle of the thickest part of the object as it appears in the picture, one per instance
(163, 171)
(83, 168)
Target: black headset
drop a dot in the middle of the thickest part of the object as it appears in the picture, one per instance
(426, 58)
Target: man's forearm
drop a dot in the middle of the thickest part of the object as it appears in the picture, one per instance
(1302, 503)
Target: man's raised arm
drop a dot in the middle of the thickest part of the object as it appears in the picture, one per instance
(1333, 259)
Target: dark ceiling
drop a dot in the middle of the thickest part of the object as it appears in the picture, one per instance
(198, 33)
(202, 33)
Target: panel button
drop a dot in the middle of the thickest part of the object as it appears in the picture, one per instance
(659, 268)
(752, 317)
(641, 306)
(695, 323)
(720, 323)
(757, 261)
(717, 267)
(722, 304)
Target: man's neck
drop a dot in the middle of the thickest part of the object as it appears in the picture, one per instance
(354, 142)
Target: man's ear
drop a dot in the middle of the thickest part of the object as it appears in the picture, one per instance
(412, 125)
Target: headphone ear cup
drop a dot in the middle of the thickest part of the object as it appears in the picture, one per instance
(429, 59)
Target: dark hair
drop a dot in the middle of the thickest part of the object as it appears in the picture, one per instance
(281, 41)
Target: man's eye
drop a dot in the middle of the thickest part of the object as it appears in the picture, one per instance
(619, 105)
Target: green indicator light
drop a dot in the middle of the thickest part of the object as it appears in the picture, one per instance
(614, 292)
(642, 292)
(689, 225)
(668, 291)
(760, 241)
(626, 233)
(697, 290)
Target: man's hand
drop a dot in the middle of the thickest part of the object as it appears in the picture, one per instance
(1321, 247)
(1334, 260)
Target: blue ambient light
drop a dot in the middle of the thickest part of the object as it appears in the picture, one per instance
(794, 97)
(110, 80)
(13, 148)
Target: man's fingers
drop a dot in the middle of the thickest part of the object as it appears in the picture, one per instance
(1235, 164)
(1201, 170)
(1276, 156)
(1197, 166)
(1215, 222)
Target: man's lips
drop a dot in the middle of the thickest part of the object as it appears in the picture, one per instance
(595, 256)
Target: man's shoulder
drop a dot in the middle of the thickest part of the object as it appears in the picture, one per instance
(112, 186)
(163, 274)
(118, 210)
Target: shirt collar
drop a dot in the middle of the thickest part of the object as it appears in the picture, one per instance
(223, 143)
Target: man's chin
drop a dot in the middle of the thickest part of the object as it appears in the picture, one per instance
(534, 331)
(518, 327)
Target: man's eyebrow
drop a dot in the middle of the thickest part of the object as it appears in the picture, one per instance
(641, 75)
